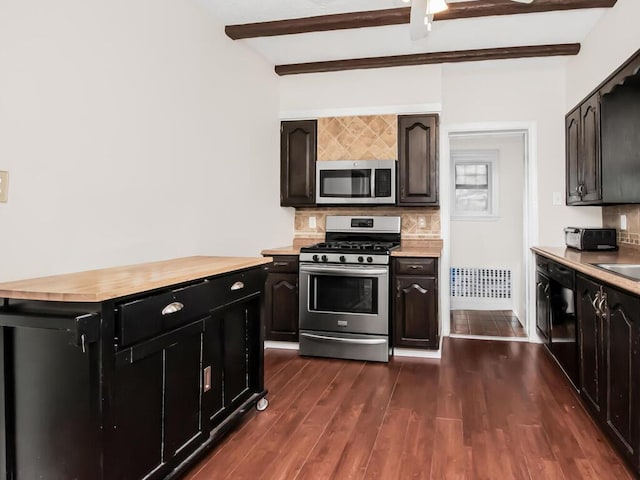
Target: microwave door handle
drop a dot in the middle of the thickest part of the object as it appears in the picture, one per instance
(373, 183)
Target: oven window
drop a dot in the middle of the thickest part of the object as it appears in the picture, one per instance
(345, 183)
(343, 294)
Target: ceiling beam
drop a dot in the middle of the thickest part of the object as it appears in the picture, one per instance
(396, 16)
(431, 58)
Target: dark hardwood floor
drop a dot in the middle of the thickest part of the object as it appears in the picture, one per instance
(494, 323)
(487, 410)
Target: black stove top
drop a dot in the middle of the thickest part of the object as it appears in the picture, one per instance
(379, 248)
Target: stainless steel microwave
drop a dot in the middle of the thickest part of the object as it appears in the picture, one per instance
(356, 182)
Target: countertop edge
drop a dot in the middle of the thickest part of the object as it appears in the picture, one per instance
(22, 292)
(600, 274)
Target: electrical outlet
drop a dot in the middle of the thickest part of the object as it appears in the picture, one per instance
(623, 222)
(557, 198)
(422, 222)
(312, 222)
(4, 186)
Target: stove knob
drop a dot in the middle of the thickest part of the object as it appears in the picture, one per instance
(315, 258)
(369, 259)
(342, 258)
(360, 259)
(324, 258)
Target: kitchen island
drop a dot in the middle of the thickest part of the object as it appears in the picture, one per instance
(128, 372)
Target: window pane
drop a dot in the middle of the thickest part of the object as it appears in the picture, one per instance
(472, 200)
(472, 175)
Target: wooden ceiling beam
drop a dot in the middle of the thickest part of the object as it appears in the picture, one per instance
(396, 16)
(431, 58)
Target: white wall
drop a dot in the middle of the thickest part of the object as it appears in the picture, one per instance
(521, 91)
(132, 131)
(613, 40)
(496, 242)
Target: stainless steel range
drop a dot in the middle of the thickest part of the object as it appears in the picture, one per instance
(344, 289)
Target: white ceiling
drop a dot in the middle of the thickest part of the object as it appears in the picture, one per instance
(569, 26)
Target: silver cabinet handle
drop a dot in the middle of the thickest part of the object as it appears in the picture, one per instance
(602, 303)
(206, 384)
(172, 308)
(356, 341)
(594, 303)
(416, 267)
(280, 264)
(237, 286)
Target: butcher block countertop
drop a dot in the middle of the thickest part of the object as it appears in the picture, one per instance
(581, 262)
(109, 283)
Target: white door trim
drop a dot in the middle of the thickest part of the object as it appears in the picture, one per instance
(530, 220)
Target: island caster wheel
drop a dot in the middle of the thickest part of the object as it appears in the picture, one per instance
(262, 404)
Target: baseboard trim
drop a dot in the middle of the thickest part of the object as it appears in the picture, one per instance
(410, 352)
(489, 337)
(268, 344)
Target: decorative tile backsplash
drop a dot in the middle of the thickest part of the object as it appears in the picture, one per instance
(410, 220)
(372, 137)
(611, 219)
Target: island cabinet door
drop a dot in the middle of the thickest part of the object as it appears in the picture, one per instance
(49, 403)
(155, 405)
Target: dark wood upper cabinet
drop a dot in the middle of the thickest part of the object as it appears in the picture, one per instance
(298, 142)
(418, 160)
(602, 145)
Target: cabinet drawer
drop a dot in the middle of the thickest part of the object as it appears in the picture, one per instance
(234, 286)
(416, 266)
(143, 318)
(542, 264)
(284, 264)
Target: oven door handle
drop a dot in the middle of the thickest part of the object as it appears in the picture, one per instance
(356, 341)
(351, 272)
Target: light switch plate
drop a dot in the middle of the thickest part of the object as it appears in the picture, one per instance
(623, 222)
(4, 186)
(557, 198)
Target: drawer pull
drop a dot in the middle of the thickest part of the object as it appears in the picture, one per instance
(280, 264)
(237, 286)
(416, 267)
(172, 308)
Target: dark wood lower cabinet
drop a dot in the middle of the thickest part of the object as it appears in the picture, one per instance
(281, 300)
(80, 400)
(609, 327)
(415, 304)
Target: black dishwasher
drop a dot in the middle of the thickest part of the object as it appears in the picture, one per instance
(560, 313)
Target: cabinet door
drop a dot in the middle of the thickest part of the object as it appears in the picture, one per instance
(589, 156)
(137, 417)
(622, 348)
(416, 312)
(183, 387)
(213, 364)
(281, 307)
(590, 337)
(572, 139)
(543, 307)
(418, 160)
(298, 163)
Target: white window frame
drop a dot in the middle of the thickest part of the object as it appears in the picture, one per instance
(489, 158)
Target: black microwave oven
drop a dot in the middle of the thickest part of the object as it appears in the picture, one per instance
(347, 182)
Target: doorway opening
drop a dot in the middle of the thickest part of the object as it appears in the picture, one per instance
(488, 200)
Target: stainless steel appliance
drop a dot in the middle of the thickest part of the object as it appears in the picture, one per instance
(356, 182)
(344, 289)
(591, 238)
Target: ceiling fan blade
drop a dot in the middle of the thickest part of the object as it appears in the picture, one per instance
(417, 27)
